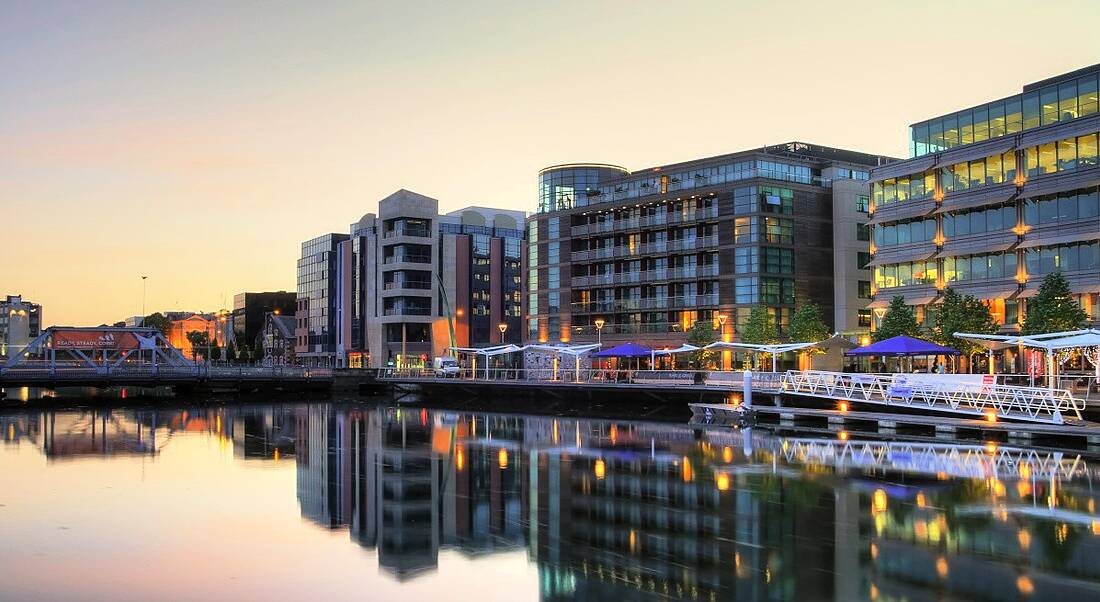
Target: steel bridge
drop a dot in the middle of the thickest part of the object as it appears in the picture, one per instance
(110, 357)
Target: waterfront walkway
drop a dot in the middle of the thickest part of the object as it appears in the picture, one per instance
(970, 396)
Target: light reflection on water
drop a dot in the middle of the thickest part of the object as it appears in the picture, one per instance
(345, 501)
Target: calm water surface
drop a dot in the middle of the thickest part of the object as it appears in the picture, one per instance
(328, 502)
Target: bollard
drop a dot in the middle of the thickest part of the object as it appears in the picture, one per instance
(746, 389)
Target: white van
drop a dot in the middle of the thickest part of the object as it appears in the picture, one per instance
(446, 367)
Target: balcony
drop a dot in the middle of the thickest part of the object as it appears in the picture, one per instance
(408, 284)
(408, 231)
(650, 304)
(408, 311)
(407, 258)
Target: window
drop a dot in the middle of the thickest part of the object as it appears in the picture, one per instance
(745, 260)
(1065, 258)
(511, 248)
(744, 200)
(746, 290)
(532, 255)
(864, 317)
(964, 223)
(777, 261)
(744, 230)
(862, 203)
(554, 252)
(778, 230)
(554, 278)
(1066, 206)
(776, 200)
(553, 228)
(864, 289)
(863, 232)
(481, 245)
(862, 259)
(553, 303)
(980, 267)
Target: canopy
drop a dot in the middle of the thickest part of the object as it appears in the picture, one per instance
(1051, 341)
(685, 348)
(488, 351)
(903, 346)
(775, 349)
(625, 350)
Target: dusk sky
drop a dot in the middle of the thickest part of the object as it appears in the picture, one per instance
(200, 143)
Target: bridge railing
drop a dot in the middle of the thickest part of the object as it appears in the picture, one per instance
(73, 371)
(1037, 404)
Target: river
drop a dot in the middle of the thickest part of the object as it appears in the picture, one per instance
(333, 501)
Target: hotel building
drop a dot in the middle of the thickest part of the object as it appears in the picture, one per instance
(408, 282)
(640, 256)
(994, 198)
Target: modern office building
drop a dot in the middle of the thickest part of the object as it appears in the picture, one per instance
(324, 261)
(250, 311)
(20, 323)
(994, 198)
(616, 255)
(408, 283)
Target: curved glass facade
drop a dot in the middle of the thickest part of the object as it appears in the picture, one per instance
(569, 186)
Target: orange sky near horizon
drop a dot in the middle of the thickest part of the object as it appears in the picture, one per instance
(200, 143)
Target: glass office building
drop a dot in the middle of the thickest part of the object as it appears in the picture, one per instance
(994, 198)
(616, 255)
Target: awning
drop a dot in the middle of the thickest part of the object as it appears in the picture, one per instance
(1047, 241)
(913, 301)
(1077, 127)
(989, 292)
(1028, 293)
(905, 210)
(981, 245)
(1061, 182)
(971, 200)
(1084, 288)
(917, 253)
(902, 168)
(685, 348)
(976, 151)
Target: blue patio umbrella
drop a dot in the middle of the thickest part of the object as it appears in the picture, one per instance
(903, 346)
(625, 350)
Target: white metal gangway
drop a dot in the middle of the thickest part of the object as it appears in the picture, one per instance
(933, 393)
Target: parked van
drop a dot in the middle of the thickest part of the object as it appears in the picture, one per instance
(446, 367)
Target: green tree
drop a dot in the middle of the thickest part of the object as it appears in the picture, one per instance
(215, 353)
(701, 334)
(199, 339)
(258, 351)
(1053, 309)
(807, 325)
(159, 321)
(760, 329)
(899, 320)
(231, 351)
(960, 313)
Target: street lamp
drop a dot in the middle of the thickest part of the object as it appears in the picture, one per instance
(722, 336)
(599, 330)
(503, 327)
(143, 300)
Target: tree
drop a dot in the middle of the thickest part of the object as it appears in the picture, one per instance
(760, 329)
(159, 321)
(700, 335)
(807, 325)
(199, 340)
(1053, 309)
(960, 313)
(258, 351)
(231, 351)
(899, 320)
(216, 353)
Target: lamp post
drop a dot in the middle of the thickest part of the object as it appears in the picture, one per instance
(722, 336)
(599, 330)
(143, 300)
(503, 327)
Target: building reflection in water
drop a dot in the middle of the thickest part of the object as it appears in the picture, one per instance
(641, 510)
(631, 510)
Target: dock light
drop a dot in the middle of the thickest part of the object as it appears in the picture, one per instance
(722, 481)
(727, 454)
(502, 458)
(941, 567)
(600, 470)
(842, 407)
(991, 417)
